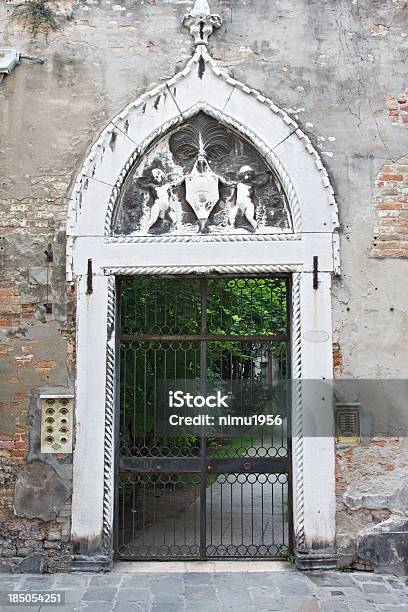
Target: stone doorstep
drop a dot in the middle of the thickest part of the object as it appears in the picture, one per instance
(209, 567)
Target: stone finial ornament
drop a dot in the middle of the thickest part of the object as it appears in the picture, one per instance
(201, 22)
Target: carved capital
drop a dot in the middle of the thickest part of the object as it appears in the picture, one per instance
(201, 22)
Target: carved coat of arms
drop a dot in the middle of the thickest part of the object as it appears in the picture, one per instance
(202, 190)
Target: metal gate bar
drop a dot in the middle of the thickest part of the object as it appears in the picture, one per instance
(180, 498)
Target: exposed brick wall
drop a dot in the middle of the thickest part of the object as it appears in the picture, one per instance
(391, 210)
(21, 538)
(398, 108)
(337, 360)
(36, 350)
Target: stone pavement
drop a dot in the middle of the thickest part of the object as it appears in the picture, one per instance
(213, 587)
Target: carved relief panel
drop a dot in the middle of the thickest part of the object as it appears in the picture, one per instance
(201, 178)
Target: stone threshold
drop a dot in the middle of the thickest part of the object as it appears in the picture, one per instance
(148, 567)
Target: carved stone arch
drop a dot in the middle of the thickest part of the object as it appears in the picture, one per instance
(269, 129)
(95, 257)
(272, 194)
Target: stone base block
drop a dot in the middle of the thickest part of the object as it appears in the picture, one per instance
(85, 563)
(316, 560)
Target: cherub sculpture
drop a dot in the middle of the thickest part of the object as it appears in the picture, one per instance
(160, 191)
(243, 205)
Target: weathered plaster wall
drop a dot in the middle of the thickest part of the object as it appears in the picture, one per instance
(337, 66)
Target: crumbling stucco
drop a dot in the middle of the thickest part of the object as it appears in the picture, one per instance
(39, 493)
(372, 488)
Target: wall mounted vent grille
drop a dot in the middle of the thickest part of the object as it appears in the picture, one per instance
(348, 424)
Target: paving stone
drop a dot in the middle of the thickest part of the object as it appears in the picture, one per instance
(331, 579)
(354, 593)
(106, 580)
(134, 595)
(72, 580)
(128, 606)
(39, 582)
(230, 580)
(171, 604)
(14, 578)
(382, 599)
(200, 592)
(268, 603)
(135, 580)
(99, 594)
(9, 587)
(301, 604)
(261, 579)
(395, 584)
(217, 592)
(61, 608)
(93, 607)
(202, 606)
(166, 580)
(358, 606)
(73, 596)
(375, 588)
(367, 577)
(264, 591)
(231, 607)
(282, 608)
(239, 597)
(198, 578)
(334, 606)
(173, 576)
(294, 587)
(163, 589)
(22, 608)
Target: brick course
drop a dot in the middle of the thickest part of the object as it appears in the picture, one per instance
(391, 210)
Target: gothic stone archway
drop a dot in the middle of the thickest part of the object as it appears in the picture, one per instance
(105, 242)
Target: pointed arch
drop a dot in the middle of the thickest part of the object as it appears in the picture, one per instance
(202, 86)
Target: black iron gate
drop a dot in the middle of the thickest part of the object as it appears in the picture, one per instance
(192, 497)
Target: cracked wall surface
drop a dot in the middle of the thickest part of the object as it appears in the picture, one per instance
(338, 68)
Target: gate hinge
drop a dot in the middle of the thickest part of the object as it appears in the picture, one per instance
(315, 272)
(89, 287)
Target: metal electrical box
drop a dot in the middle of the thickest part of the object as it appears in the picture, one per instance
(56, 423)
(9, 58)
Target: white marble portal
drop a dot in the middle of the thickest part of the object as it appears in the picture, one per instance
(95, 256)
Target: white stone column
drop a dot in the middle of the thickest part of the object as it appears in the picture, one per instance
(88, 460)
(316, 465)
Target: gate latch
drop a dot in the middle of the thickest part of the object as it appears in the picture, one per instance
(247, 465)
